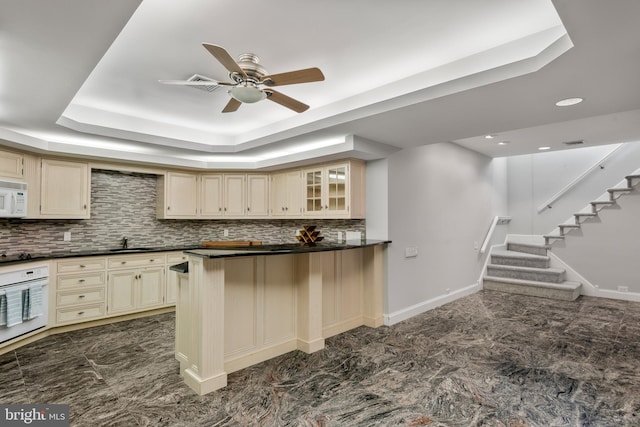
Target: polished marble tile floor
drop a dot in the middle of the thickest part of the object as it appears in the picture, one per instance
(489, 359)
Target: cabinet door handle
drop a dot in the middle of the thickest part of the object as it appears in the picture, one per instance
(283, 208)
(225, 209)
(123, 262)
(219, 209)
(151, 260)
(82, 266)
(80, 313)
(80, 280)
(168, 208)
(85, 207)
(80, 296)
(248, 208)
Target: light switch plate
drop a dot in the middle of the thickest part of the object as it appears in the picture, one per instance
(67, 236)
(410, 252)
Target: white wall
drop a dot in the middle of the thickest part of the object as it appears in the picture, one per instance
(441, 201)
(605, 251)
(534, 178)
(377, 194)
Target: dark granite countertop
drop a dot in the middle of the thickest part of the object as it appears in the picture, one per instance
(15, 259)
(222, 251)
(295, 248)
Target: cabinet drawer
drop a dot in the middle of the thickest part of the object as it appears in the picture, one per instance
(176, 258)
(86, 296)
(80, 264)
(137, 261)
(79, 314)
(80, 281)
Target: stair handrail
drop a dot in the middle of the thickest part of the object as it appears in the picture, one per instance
(497, 220)
(598, 165)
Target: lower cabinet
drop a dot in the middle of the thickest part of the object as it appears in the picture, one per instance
(173, 278)
(92, 288)
(80, 290)
(135, 290)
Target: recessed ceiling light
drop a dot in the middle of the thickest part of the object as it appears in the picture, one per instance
(488, 137)
(544, 148)
(569, 102)
(503, 142)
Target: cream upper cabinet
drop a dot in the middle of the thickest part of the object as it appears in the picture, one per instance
(211, 201)
(258, 196)
(235, 199)
(286, 194)
(325, 191)
(64, 189)
(11, 165)
(334, 191)
(177, 195)
(210, 196)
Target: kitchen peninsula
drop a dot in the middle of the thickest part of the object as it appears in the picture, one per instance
(238, 307)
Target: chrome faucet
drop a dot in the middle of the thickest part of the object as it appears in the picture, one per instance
(124, 243)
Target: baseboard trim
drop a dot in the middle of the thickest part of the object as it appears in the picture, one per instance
(414, 310)
(588, 288)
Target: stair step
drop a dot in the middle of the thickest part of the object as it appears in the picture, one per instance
(569, 226)
(585, 214)
(553, 236)
(519, 259)
(566, 291)
(579, 215)
(603, 202)
(549, 237)
(619, 190)
(547, 275)
(528, 248)
(630, 179)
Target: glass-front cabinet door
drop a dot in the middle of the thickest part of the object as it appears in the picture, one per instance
(336, 189)
(313, 192)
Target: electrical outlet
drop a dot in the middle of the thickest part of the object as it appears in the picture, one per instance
(623, 289)
(67, 236)
(225, 233)
(410, 252)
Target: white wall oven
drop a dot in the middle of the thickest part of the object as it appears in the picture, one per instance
(24, 300)
(13, 199)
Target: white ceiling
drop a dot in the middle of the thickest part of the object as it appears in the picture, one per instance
(81, 77)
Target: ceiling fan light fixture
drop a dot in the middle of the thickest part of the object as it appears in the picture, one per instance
(247, 94)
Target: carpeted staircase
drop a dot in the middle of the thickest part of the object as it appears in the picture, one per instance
(525, 269)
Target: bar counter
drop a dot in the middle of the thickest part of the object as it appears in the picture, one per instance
(241, 306)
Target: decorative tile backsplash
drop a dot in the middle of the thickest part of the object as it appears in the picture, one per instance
(124, 205)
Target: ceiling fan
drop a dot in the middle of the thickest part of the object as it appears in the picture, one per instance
(251, 83)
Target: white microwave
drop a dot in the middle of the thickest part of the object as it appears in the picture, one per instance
(13, 199)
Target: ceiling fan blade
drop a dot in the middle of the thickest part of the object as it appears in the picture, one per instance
(286, 101)
(224, 58)
(292, 77)
(195, 83)
(232, 106)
